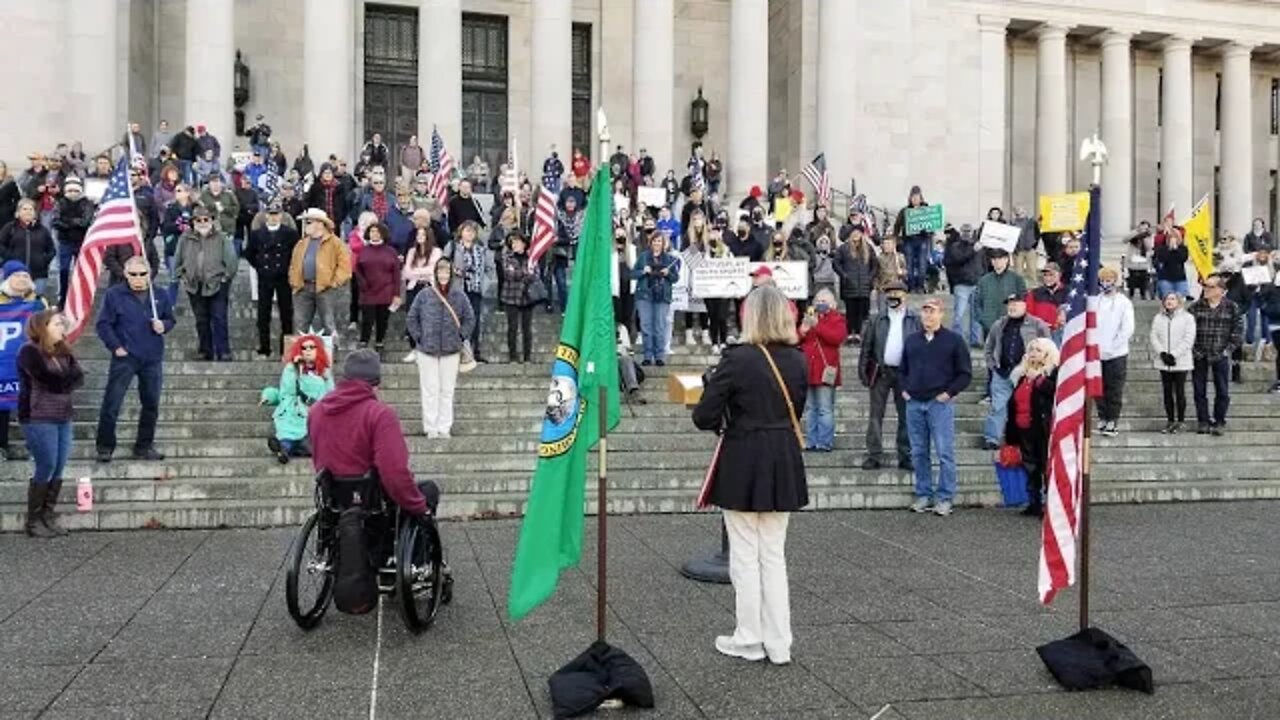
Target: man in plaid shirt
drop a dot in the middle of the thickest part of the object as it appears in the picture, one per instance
(1219, 332)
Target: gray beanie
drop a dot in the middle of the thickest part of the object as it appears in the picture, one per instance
(363, 365)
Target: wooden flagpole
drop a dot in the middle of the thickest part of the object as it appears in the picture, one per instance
(602, 476)
(1094, 151)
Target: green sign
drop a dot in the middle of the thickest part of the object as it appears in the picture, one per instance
(924, 219)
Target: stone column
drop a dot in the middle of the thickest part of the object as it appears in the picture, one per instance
(1236, 176)
(1117, 135)
(209, 97)
(747, 161)
(1051, 110)
(440, 75)
(552, 102)
(92, 93)
(328, 80)
(837, 23)
(653, 85)
(993, 155)
(1176, 130)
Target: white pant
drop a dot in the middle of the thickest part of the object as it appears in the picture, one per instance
(437, 376)
(758, 569)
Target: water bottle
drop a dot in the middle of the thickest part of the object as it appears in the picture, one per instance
(84, 495)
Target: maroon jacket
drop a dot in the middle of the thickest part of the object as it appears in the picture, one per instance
(378, 272)
(352, 432)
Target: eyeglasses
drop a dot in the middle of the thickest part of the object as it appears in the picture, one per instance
(142, 274)
(203, 221)
(309, 347)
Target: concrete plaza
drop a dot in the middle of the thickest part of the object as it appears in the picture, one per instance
(895, 616)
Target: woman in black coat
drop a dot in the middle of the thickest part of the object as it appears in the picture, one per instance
(759, 477)
(1030, 417)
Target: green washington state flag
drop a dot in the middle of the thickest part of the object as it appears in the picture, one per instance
(586, 360)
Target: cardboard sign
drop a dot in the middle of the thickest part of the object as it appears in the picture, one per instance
(997, 235)
(1062, 213)
(792, 278)
(682, 296)
(927, 219)
(1256, 274)
(722, 278)
(654, 197)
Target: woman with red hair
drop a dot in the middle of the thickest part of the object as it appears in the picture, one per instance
(306, 378)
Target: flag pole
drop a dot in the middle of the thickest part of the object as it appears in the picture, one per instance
(142, 242)
(1096, 152)
(602, 478)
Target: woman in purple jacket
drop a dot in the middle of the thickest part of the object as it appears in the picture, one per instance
(47, 375)
(378, 273)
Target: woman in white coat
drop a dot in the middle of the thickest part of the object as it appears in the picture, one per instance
(1173, 332)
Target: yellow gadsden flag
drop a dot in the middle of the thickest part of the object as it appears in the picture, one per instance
(1198, 234)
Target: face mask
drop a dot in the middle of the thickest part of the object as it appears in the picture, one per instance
(1108, 287)
(777, 243)
(742, 233)
(273, 226)
(894, 302)
(823, 307)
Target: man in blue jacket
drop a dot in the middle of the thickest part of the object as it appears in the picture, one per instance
(935, 368)
(134, 334)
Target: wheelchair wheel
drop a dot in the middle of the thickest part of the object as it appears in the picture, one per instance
(309, 582)
(419, 571)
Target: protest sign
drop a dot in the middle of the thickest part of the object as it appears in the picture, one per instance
(1256, 275)
(722, 278)
(94, 188)
(654, 197)
(792, 278)
(1063, 213)
(926, 219)
(999, 236)
(682, 297)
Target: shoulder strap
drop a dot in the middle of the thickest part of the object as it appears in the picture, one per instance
(447, 306)
(786, 394)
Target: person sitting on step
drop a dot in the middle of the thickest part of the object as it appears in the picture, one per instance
(306, 379)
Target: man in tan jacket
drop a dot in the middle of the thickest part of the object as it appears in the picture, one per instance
(319, 265)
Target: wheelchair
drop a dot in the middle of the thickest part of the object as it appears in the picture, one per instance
(406, 553)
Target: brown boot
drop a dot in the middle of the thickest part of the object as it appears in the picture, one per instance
(50, 502)
(35, 511)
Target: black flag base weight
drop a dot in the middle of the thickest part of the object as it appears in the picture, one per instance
(1092, 659)
(601, 675)
(715, 567)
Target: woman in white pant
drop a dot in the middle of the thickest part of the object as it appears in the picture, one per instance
(438, 320)
(754, 398)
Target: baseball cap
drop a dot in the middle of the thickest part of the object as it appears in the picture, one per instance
(1051, 267)
(895, 285)
(934, 303)
(1015, 297)
(762, 271)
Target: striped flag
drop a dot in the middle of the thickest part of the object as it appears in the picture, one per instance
(1079, 376)
(116, 223)
(441, 166)
(816, 173)
(544, 225)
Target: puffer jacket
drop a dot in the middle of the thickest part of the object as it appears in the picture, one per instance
(1173, 333)
(964, 263)
(516, 277)
(73, 220)
(857, 277)
(432, 326)
(32, 244)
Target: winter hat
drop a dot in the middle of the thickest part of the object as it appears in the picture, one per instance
(72, 180)
(363, 365)
(14, 266)
(756, 192)
(199, 128)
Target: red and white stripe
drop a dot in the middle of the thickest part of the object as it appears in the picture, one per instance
(544, 226)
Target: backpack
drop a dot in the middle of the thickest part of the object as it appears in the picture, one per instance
(355, 584)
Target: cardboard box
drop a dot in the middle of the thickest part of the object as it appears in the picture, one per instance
(684, 388)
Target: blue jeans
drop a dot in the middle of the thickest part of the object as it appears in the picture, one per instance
(916, 249)
(559, 272)
(187, 168)
(1255, 324)
(49, 444)
(1220, 370)
(930, 420)
(820, 417)
(66, 256)
(119, 377)
(962, 313)
(655, 328)
(172, 289)
(1001, 392)
(477, 306)
(211, 322)
(1164, 287)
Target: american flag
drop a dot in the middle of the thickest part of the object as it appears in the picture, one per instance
(441, 166)
(544, 226)
(1079, 377)
(816, 173)
(115, 224)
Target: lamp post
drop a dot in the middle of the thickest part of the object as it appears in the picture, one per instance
(699, 112)
(241, 93)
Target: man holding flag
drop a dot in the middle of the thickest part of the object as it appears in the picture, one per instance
(585, 362)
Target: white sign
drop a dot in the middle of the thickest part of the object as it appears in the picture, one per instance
(682, 297)
(722, 278)
(999, 236)
(792, 278)
(655, 197)
(95, 188)
(1256, 274)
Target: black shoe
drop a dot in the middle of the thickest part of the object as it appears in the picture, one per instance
(1202, 429)
(147, 454)
(646, 362)
(205, 357)
(379, 347)
(225, 358)
(990, 444)
(273, 444)
(104, 456)
(905, 465)
(634, 396)
(871, 464)
(660, 363)
(1177, 428)
(1033, 511)
(1169, 429)
(1217, 431)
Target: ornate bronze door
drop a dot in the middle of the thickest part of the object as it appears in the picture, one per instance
(391, 76)
(484, 91)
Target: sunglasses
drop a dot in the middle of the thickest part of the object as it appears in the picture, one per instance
(203, 221)
(138, 274)
(309, 347)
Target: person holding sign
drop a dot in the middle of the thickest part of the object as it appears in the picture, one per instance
(916, 242)
(717, 308)
(821, 334)
(656, 271)
(18, 302)
(1171, 264)
(696, 239)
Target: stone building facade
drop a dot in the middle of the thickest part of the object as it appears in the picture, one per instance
(981, 102)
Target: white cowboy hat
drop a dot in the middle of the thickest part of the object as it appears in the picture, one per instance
(316, 214)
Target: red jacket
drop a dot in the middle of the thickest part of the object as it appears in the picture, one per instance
(823, 343)
(353, 432)
(378, 272)
(1044, 303)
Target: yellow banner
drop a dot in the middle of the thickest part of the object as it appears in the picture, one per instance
(1198, 234)
(1060, 213)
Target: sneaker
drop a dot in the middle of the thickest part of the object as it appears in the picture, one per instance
(1177, 428)
(352, 326)
(147, 454)
(1217, 431)
(871, 464)
(660, 363)
(1202, 428)
(921, 505)
(725, 645)
(906, 465)
(690, 338)
(273, 444)
(646, 362)
(986, 400)
(104, 456)
(1275, 389)
(1033, 511)
(779, 658)
(1109, 429)
(412, 357)
(988, 444)
(1168, 429)
(942, 509)
(706, 337)
(715, 349)
(263, 355)
(362, 345)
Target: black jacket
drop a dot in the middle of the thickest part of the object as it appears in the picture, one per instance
(185, 147)
(9, 197)
(32, 245)
(749, 248)
(333, 203)
(874, 337)
(270, 252)
(1034, 441)
(115, 256)
(963, 261)
(761, 466)
(857, 278)
(73, 220)
(462, 209)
